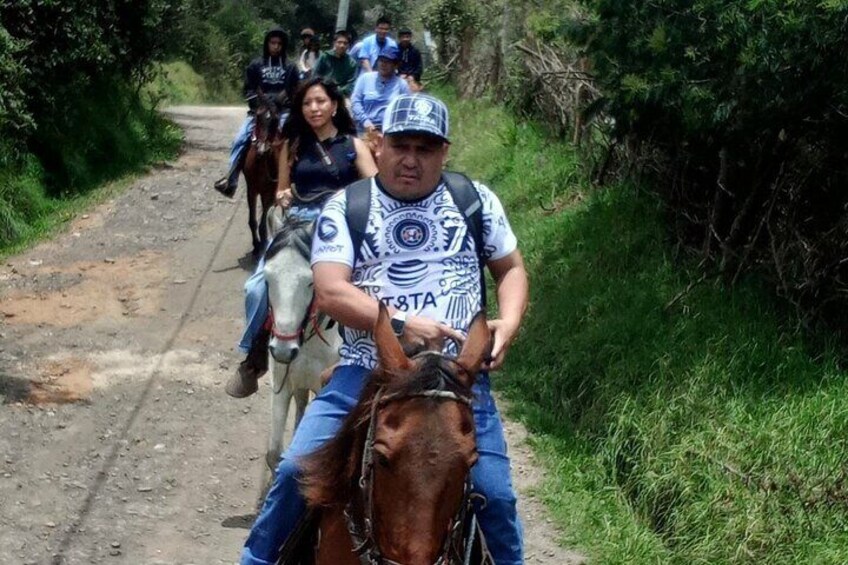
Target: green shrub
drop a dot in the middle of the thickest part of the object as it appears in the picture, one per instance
(177, 82)
(678, 424)
(15, 119)
(740, 108)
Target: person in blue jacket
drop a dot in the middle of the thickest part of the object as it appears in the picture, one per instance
(273, 77)
(374, 90)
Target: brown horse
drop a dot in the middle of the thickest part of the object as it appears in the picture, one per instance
(393, 485)
(260, 172)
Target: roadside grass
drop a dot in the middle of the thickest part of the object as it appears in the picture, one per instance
(702, 431)
(99, 141)
(176, 82)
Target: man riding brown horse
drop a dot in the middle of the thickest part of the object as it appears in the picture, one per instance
(421, 253)
(271, 77)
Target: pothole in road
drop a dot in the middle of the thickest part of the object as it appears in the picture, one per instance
(58, 381)
(62, 382)
(67, 379)
(114, 289)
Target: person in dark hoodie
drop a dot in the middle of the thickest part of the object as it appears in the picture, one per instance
(275, 78)
(411, 65)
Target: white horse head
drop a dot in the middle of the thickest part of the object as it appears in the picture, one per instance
(289, 278)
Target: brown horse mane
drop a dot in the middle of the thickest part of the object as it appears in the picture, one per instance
(330, 474)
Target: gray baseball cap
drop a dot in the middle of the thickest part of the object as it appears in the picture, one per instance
(417, 113)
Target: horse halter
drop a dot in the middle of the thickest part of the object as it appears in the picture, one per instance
(313, 316)
(362, 535)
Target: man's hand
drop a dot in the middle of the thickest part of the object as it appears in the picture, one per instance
(420, 331)
(503, 334)
(284, 198)
(372, 138)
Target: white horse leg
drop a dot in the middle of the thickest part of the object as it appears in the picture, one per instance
(280, 401)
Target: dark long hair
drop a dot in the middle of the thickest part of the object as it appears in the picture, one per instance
(297, 130)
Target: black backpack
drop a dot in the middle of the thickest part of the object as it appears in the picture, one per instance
(465, 196)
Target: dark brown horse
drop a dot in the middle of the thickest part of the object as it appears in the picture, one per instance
(260, 171)
(393, 485)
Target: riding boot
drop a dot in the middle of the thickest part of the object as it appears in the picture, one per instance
(227, 185)
(245, 381)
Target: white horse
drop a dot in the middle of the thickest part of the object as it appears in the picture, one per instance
(303, 342)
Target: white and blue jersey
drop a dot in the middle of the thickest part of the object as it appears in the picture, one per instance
(417, 256)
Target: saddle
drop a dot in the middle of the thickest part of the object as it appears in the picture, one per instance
(299, 548)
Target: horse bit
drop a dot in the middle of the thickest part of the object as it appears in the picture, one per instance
(362, 535)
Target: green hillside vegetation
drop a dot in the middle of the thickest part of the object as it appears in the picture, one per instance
(176, 82)
(113, 136)
(677, 425)
(70, 114)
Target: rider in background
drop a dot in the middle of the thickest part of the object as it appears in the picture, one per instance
(336, 65)
(411, 65)
(306, 35)
(270, 77)
(375, 44)
(309, 57)
(373, 92)
(320, 155)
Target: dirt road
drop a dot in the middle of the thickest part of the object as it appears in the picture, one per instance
(118, 444)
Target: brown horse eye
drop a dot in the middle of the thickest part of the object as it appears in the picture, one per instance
(382, 460)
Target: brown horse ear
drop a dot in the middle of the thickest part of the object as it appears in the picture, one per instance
(389, 350)
(477, 347)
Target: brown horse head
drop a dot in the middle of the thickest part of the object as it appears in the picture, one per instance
(266, 125)
(414, 429)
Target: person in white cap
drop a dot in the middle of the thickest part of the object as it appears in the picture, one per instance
(412, 213)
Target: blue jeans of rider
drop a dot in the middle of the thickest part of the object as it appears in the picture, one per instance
(242, 139)
(256, 291)
(284, 505)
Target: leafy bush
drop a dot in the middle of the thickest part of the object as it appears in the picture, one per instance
(696, 430)
(742, 111)
(70, 114)
(15, 120)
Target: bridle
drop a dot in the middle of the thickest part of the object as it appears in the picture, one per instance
(313, 318)
(362, 534)
(270, 120)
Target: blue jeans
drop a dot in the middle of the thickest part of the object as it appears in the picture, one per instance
(256, 291)
(284, 505)
(242, 139)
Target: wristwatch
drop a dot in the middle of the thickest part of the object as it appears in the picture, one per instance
(398, 323)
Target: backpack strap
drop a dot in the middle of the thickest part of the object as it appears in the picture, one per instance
(467, 199)
(358, 204)
(465, 196)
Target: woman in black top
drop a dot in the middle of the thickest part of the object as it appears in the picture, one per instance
(321, 153)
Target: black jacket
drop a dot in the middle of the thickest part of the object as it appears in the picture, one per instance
(410, 62)
(275, 77)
